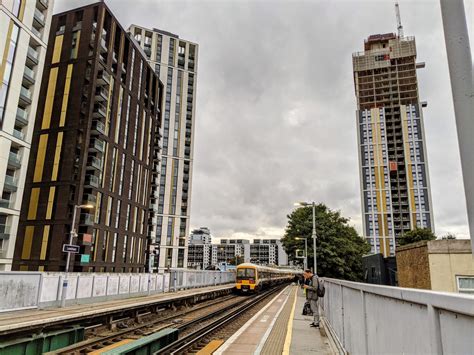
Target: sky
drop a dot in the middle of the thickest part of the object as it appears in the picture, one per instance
(275, 114)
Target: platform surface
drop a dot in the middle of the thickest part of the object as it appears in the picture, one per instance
(33, 317)
(278, 328)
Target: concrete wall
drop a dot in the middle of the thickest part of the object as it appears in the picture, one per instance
(373, 319)
(448, 259)
(413, 266)
(21, 290)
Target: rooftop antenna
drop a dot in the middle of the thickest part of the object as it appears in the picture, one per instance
(399, 20)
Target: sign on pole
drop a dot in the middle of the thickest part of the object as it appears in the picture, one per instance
(85, 258)
(70, 248)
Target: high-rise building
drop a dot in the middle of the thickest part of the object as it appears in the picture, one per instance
(395, 185)
(175, 61)
(93, 144)
(24, 28)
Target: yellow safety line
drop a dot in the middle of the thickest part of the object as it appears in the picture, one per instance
(289, 330)
(211, 347)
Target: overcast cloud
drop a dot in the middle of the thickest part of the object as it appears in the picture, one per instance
(275, 116)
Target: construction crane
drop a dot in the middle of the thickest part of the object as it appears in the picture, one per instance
(399, 20)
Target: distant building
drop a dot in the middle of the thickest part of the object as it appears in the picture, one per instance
(200, 236)
(438, 265)
(24, 32)
(395, 184)
(231, 251)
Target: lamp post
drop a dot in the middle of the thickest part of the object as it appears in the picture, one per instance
(305, 251)
(313, 235)
(71, 236)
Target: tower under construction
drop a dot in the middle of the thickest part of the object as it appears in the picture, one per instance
(395, 185)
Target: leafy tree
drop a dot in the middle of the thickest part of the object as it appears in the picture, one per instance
(416, 235)
(339, 247)
(449, 236)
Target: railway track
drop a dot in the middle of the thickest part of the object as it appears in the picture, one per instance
(136, 331)
(199, 338)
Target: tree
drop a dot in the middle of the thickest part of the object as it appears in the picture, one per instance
(416, 235)
(339, 247)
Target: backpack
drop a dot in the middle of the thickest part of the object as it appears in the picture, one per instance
(307, 309)
(321, 290)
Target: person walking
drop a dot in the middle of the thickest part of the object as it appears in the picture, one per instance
(311, 284)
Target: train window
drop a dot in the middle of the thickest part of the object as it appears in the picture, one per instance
(245, 273)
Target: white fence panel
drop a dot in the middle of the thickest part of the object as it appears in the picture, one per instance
(112, 285)
(49, 288)
(85, 285)
(373, 319)
(19, 290)
(124, 286)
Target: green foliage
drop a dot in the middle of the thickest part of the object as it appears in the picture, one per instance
(416, 235)
(339, 247)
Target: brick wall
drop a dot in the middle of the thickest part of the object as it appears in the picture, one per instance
(413, 266)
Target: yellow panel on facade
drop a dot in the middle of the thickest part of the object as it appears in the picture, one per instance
(26, 251)
(3, 63)
(33, 207)
(67, 86)
(58, 45)
(43, 143)
(48, 106)
(21, 13)
(44, 242)
(57, 156)
(49, 209)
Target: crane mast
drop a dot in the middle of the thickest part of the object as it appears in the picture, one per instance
(399, 20)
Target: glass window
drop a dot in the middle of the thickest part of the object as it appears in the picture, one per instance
(465, 284)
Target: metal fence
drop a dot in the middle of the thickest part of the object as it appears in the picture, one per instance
(372, 319)
(22, 290)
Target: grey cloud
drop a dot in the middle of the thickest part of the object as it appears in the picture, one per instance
(275, 119)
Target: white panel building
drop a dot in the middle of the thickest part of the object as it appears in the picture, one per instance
(175, 61)
(24, 30)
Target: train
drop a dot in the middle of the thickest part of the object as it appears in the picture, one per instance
(251, 278)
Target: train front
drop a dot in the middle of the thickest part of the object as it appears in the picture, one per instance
(246, 278)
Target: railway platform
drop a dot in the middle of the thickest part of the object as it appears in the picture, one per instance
(32, 320)
(279, 328)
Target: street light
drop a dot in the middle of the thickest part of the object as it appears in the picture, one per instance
(305, 251)
(71, 236)
(313, 204)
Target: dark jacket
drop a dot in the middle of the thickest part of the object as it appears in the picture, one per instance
(311, 291)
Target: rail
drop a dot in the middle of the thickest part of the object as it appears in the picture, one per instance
(373, 319)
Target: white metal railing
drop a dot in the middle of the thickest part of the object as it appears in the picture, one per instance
(24, 290)
(373, 319)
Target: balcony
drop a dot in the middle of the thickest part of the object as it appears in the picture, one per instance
(94, 163)
(11, 184)
(103, 78)
(102, 45)
(98, 127)
(114, 57)
(89, 199)
(18, 134)
(42, 4)
(91, 180)
(101, 94)
(39, 18)
(6, 203)
(21, 117)
(25, 96)
(32, 56)
(99, 111)
(28, 77)
(87, 219)
(4, 231)
(96, 145)
(14, 160)
(36, 32)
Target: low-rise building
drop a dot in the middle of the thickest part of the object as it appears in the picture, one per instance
(235, 251)
(438, 265)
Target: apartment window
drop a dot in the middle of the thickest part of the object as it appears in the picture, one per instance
(10, 57)
(169, 235)
(127, 218)
(159, 42)
(117, 214)
(171, 52)
(124, 249)
(114, 246)
(465, 284)
(109, 211)
(122, 167)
